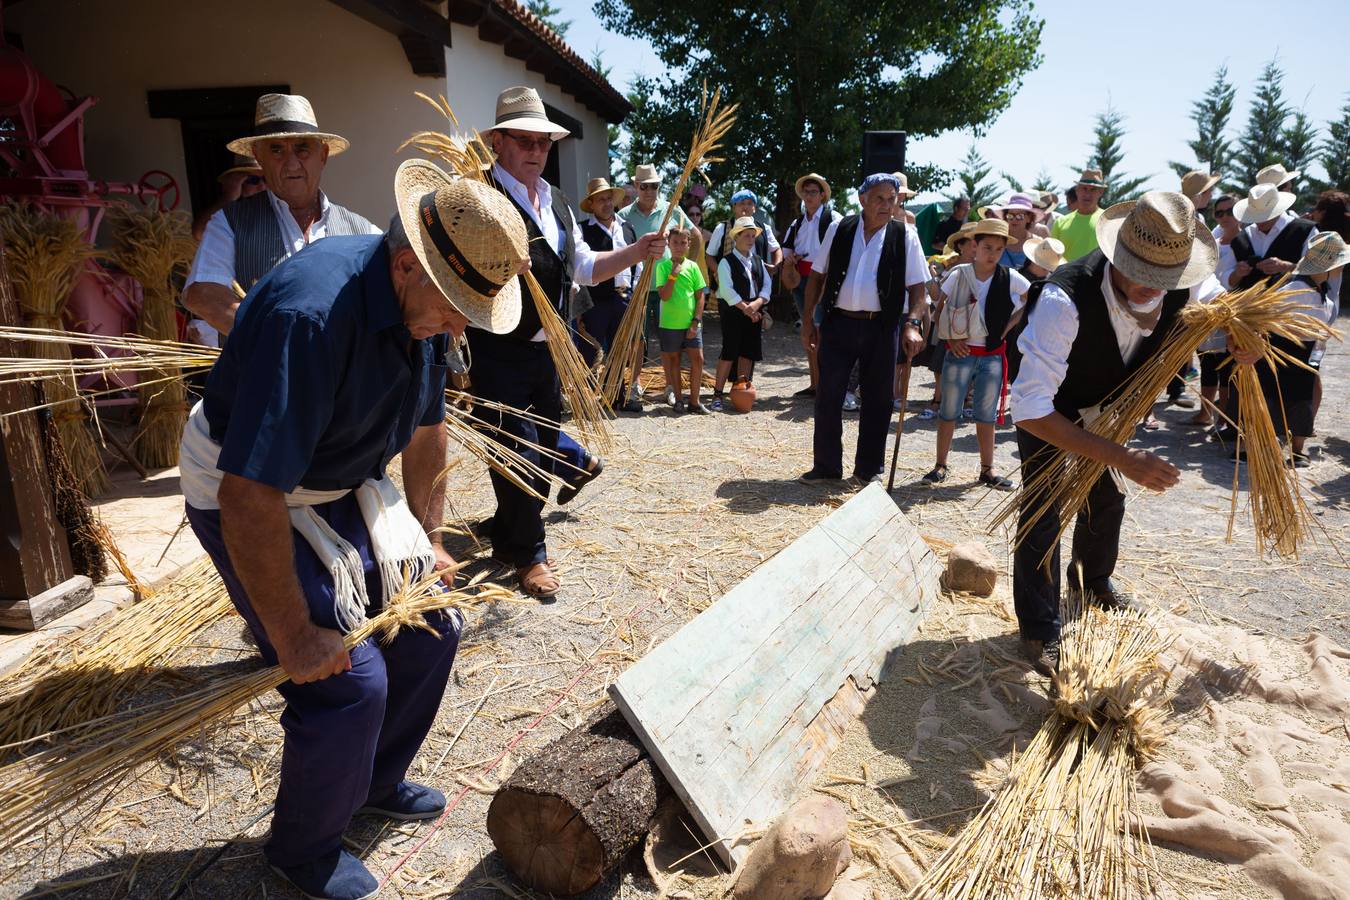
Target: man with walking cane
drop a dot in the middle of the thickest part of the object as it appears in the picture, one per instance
(868, 276)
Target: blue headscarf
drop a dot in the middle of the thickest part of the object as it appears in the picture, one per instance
(877, 178)
(743, 194)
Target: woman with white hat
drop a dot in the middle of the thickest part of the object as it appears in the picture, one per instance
(1020, 214)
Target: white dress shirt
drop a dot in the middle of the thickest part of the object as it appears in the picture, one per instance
(1261, 241)
(859, 290)
(549, 226)
(624, 280)
(214, 262)
(1017, 286)
(725, 291)
(807, 240)
(1049, 335)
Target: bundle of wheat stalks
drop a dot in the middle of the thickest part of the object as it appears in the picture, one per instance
(44, 255)
(624, 365)
(1279, 515)
(467, 156)
(39, 789)
(154, 246)
(1062, 825)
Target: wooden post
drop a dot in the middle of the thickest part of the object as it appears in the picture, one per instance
(34, 552)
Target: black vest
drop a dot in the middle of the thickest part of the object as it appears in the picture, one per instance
(258, 244)
(890, 270)
(1288, 246)
(824, 218)
(598, 239)
(553, 273)
(998, 306)
(741, 283)
(726, 246)
(1096, 370)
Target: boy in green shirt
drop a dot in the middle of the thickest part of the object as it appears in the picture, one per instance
(680, 285)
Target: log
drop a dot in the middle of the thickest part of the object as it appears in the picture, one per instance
(568, 814)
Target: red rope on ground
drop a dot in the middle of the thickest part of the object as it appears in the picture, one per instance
(520, 735)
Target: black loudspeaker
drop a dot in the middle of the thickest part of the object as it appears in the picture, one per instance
(883, 151)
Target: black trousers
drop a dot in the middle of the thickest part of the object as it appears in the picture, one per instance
(520, 374)
(1096, 545)
(873, 347)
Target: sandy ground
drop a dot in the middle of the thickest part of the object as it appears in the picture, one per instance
(686, 508)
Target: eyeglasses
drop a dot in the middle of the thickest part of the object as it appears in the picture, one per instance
(525, 142)
(1223, 213)
(649, 187)
(811, 190)
(1014, 217)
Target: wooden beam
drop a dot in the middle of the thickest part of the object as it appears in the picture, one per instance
(517, 46)
(425, 56)
(743, 705)
(401, 16)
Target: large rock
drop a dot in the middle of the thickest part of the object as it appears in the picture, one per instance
(800, 856)
(971, 569)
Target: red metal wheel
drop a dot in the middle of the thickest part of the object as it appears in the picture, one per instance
(161, 185)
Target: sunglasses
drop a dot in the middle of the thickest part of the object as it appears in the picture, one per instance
(649, 187)
(1014, 217)
(526, 142)
(1223, 213)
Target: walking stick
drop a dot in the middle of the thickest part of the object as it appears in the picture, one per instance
(900, 421)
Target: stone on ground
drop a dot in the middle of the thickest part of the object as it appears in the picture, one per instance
(800, 856)
(971, 569)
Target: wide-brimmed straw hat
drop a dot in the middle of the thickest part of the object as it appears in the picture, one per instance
(1047, 200)
(1048, 253)
(904, 193)
(646, 174)
(1020, 203)
(1326, 251)
(995, 227)
(1263, 203)
(745, 223)
(520, 109)
(1092, 178)
(1276, 175)
(957, 236)
(597, 186)
(246, 165)
(1196, 182)
(818, 179)
(1154, 241)
(285, 116)
(469, 238)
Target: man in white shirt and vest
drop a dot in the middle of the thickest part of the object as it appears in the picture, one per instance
(516, 368)
(1090, 326)
(243, 241)
(801, 241)
(869, 277)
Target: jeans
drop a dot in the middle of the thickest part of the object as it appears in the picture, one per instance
(957, 374)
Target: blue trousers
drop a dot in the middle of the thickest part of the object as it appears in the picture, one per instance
(572, 453)
(519, 374)
(352, 736)
(873, 347)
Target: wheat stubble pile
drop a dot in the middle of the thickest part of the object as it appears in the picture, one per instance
(687, 507)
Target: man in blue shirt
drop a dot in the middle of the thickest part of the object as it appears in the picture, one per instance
(335, 365)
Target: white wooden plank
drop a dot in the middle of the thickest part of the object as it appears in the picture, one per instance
(742, 706)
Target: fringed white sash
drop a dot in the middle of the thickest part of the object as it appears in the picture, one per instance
(397, 541)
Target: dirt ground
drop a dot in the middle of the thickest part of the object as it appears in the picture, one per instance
(686, 508)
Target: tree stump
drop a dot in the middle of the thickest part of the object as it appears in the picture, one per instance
(570, 812)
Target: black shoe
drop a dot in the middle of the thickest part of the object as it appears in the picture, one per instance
(936, 477)
(1239, 455)
(806, 392)
(1298, 461)
(698, 409)
(997, 482)
(1109, 599)
(579, 481)
(1044, 655)
(680, 406)
(815, 476)
(632, 404)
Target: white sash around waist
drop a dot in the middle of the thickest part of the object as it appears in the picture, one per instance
(397, 540)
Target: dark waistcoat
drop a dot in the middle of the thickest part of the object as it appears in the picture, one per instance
(890, 271)
(258, 244)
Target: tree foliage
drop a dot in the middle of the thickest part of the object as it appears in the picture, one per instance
(1262, 141)
(1212, 148)
(1107, 155)
(812, 77)
(973, 178)
(1298, 146)
(550, 14)
(1335, 153)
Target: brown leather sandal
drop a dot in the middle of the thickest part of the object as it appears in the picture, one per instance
(538, 580)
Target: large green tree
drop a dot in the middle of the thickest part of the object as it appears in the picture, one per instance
(1212, 148)
(1262, 141)
(811, 77)
(1335, 153)
(1107, 154)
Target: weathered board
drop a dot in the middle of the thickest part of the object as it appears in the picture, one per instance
(742, 706)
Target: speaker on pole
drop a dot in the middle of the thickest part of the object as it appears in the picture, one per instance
(883, 151)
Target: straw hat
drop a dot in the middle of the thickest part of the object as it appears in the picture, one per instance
(285, 116)
(1092, 178)
(469, 238)
(1195, 183)
(819, 179)
(519, 108)
(995, 227)
(646, 174)
(1276, 175)
(1048, 253)
(1154, 241)
(904, 193)
(246, 165)
(597, 186)
(1047, 200)
(745, 223)
(1263, 203)
(959, 235)
(1325, 252)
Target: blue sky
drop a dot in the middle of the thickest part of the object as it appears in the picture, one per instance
(1162, 56)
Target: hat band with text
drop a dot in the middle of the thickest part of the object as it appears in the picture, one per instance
(283, 126)
(450, 252)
